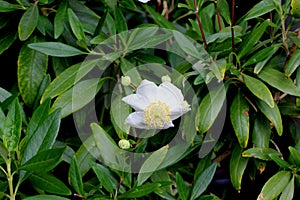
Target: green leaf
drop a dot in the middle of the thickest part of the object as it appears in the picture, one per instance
(3, 151)
(238, 165)
(49, 183)
(59, 19)
(210, 108)
(4, 94)
(42, 137)
(7, 40)
(106, 178)
(28, 22)
(43, 161)
(78, 96)
(261, 132)
(76, 25)
(260, 153)
(279, 81)
(240, 119)
(46, 197)
(248, 44)
(295, 11)
(275, 185)
(279, 161)
(259, 89)
(293, 63)
(272, 114)
(140, 191)
(32, 67)
(8, 7)
(120, 21)
(75, 178)
(181, 187)
(12, 126)
(202, 182)
(288, 192)
(44, 84)
(56, 49)
(294, 156)
(159, 19)
(151, 164)
(260, 9)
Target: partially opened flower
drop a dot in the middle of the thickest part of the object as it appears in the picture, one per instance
(144, 1)
(155, 106)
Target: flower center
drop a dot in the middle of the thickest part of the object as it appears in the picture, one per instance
(157, 114)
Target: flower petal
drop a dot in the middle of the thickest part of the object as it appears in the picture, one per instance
(179, 111)
(136, 101)
(170, 94)
(137, 120)
(148, 89)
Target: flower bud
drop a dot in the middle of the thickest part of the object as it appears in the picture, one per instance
(165, 78)
(125, 80)
(124, 144)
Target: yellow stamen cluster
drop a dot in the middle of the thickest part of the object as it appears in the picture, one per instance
(157, 114)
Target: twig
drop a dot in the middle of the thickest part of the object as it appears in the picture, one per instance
(218, 15)
(200, 25)
(232, 23)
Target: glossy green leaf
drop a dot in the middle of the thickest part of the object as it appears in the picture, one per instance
(76, 25)
(49, 183)
(59, 19)
(275, 185)
(202, 182)
(279, 161)
(44, 84)
(42, 136)
(7, 40)
(43, 161)
(262, 55)
(75, 178)
(56, 49)
(295, 11)
(279, 81)
(8, 7)
(260, 9)
(78, 96)
(120, 21)
(240, 119)
(4, 94)
(28, 22)
(288, 192)
(106, 178)
(260, 65)
(293, 63)
(260, 153)
(249, 42)
(210, 108)
(294, 156)
(159, 19)
(259, 89)
(45, 197)
(238, 165)
(32, 67)
(261, 132)
(140, 191)
(181, 187)
(12, 126)
(224, 10)
(3, 151)
(272, 114)
(151, 164)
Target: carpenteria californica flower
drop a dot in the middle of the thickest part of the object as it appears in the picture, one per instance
(144, 1)
(155, 106)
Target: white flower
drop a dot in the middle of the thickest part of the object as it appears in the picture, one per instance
(144, 1)
(155, 106)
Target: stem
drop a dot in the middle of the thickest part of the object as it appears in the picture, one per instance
(218, 15)
(231, 25)
(200, 25)
(10, 180)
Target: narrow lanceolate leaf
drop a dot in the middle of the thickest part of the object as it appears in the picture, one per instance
(202, 182)
(60, 18)
(295, 11)
(288, 192)
(120, 20)
(293, 63)
(140, 191)
(294, 156)
(279, 81)
(260, 9)
(181, 187)
(45, 197)
(259, 89)
(253, 38)
(210, 108)
(260, 153)
(76, 25)
(12, 126)
(240, 119)
(44, 161)
(261, 132)
(75, 178)
(28, 22)
(7, 40)
(32, 67)
(273, 114)
(56, 49)
(151, 164)
(237, 167)
(8, 7)
(275, 185)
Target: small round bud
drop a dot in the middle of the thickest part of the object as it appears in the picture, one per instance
(125, 80)
(124, 144)
(165, 78)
